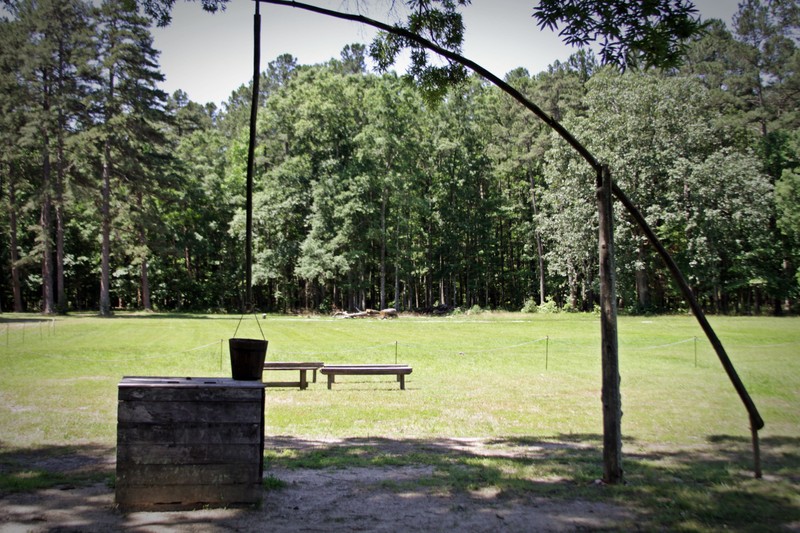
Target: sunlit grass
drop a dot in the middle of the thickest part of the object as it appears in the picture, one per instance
(481, 375)
(529, 382)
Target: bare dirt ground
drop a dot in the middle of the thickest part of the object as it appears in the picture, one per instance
(383, 498)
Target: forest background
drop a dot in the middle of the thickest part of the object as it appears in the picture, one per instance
(368, 194)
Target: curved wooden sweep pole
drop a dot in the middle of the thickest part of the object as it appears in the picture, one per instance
(612, 444)
(756, 422)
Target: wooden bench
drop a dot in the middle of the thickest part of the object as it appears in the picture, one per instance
(401, 371)
(303, 367)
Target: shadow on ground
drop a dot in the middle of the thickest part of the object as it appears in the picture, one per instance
(705, 487)
(63, 467)
(381, 484)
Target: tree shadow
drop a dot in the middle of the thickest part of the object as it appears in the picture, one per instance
(668, 487)
(709, 486)
(140, 315)
(34, 319)
(54, 467)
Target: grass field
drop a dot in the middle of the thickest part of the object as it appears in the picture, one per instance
(520, 378)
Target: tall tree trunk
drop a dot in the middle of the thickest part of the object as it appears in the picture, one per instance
(428, 280)
(105, 208)
(12, 226)
(145, 280)
(397, 286)
(397, 303)
(187, 262)
(46, 228)
(383, 249)
(105, 214)
(538, 237)
(146, 303)
(612, 402)
(642, 282)
(572, 281)
(61, 296)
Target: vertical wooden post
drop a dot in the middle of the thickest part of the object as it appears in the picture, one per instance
(248, 254)
(546, 351)
(612, 404)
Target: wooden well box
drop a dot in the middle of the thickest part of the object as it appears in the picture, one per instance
(186, 443)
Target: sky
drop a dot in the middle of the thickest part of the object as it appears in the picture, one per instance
(210, 55)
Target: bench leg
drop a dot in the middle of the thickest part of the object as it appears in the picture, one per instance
(330, 381)
(315, 375)
(402, 379)
(303, 380)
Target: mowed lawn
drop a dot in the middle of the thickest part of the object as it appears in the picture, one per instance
(482, 375)
(528, 386)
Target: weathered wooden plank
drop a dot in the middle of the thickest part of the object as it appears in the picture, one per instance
(182, 497)
(273, 384)
(180, 412)
(200, 433)
(188, 382)
(159, 454)
(187, 394)
(368, 366)
(366, 371)
(131, 475)
(285, 365)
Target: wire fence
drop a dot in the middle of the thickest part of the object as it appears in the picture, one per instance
(31, 331)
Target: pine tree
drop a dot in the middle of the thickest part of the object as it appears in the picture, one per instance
(130, 108)
(11, 121)
(53, 56)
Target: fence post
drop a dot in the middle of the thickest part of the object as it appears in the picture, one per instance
(546, 350)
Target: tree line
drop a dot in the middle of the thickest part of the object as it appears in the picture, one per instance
(368, 193)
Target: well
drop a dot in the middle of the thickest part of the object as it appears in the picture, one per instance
(187, 443)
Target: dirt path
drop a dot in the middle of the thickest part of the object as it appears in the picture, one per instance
(329, 499)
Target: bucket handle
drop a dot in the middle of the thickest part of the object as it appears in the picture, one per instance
(257, 323)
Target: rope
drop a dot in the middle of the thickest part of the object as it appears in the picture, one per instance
(257, 323)
(668, 345)
(367, 348)
(513, 346)
(126, 358)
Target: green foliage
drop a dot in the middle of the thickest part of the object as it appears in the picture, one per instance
(707, 200)
(548, 307)
(630, 34)
(787, 196)
(29, 480)
(367, 197)
(530, 306)
(272, 483)
(440, 22)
